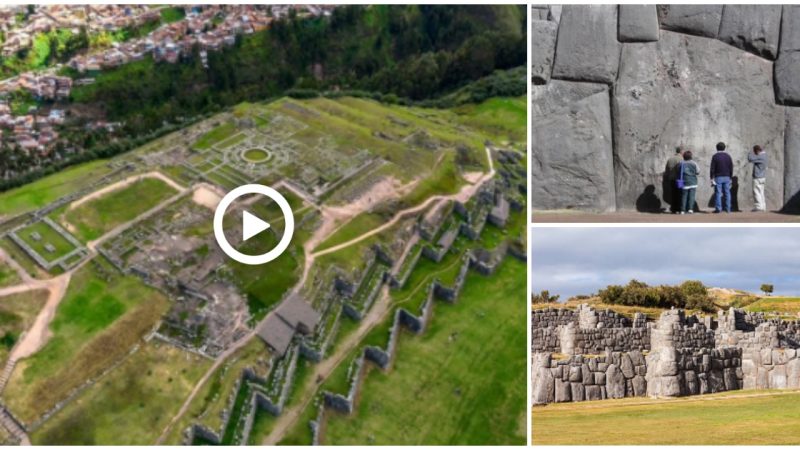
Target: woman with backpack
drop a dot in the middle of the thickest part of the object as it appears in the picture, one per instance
(687, 182)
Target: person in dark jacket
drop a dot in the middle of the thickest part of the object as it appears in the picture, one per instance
(688, 173)
(721, 175)
(672, 193)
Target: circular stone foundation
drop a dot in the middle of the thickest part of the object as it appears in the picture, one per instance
(256, 155)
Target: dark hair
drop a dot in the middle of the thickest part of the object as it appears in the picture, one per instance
(678, 149)
(757, 149)
(720, 146)
(687, 155)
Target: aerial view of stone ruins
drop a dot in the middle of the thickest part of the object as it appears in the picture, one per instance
(671, 360)
(616, 89)
(396, 316)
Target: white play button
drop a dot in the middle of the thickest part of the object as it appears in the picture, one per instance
(252, 225)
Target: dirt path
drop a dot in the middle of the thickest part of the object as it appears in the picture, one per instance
(638, 217)
(38, 334)
(124, 183)
(464, 194)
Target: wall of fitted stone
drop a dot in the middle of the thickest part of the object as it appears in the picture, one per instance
(617, 88)
(579, 378)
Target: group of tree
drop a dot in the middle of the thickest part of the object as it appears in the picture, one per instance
(416, 52)
(543, 297)
(689, 295)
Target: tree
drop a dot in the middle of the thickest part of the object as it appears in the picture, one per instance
(767, 289)
(544, 297)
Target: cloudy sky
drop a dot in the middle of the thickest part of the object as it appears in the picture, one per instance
(571, 261)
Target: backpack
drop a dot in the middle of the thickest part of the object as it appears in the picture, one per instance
(679, 182)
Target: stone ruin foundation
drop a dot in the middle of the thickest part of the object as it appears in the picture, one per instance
(585, 354)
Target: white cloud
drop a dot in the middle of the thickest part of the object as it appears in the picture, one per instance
(572, 261)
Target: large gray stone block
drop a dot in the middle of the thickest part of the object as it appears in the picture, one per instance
(543, 389)
(638, 23)
(693, 92)
(755, 28)
(587, 48)
(787, 66)
(571, 148)
(543, 47)
(701, 20)
(615, 382)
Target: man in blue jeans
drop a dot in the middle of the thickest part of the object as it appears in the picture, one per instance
(721, 174)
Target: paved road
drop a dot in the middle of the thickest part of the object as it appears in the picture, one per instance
(637, 217)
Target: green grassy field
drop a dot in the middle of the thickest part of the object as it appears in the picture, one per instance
(504, 118)
(784, 305)
(212, 399)
(96, 217)
(214, 136)
(132, 404)
(726, 418)
(461, 382)
(17, 313)
(41, 192)
(98, 321)
(8, 276)
(48, 236)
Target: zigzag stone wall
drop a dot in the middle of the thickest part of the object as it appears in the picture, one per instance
(617, 88)
(685, 355)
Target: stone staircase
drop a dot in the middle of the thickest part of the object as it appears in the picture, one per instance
(13, 426)
(6, 374)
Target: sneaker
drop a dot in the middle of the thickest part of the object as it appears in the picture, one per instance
(716, 211)
(681, 213)
(691, 212)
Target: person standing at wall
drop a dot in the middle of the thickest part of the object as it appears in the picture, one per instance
(688, 174)
(759, 160)
(672, 193)
(721, 175)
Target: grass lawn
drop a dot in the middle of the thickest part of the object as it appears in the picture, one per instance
(172, 14)
(212, 399)
(256, 155)
(98, 321)
(48, 236)
(132, 404)
(17, 313)
(41, 192)
(96, 217)
(361, 224)
(729, 419)
(786, 305)
(8, 276)
(462, 382)
(503, 118)
(217, 134)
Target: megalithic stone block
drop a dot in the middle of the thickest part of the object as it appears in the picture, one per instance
(572, 164)
(693, 92)
(587, 48)
(754, 28)
(543, 47)
(700, 20)
(638, 23)
(787, 82)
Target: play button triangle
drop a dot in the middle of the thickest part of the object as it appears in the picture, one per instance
(252, 225)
